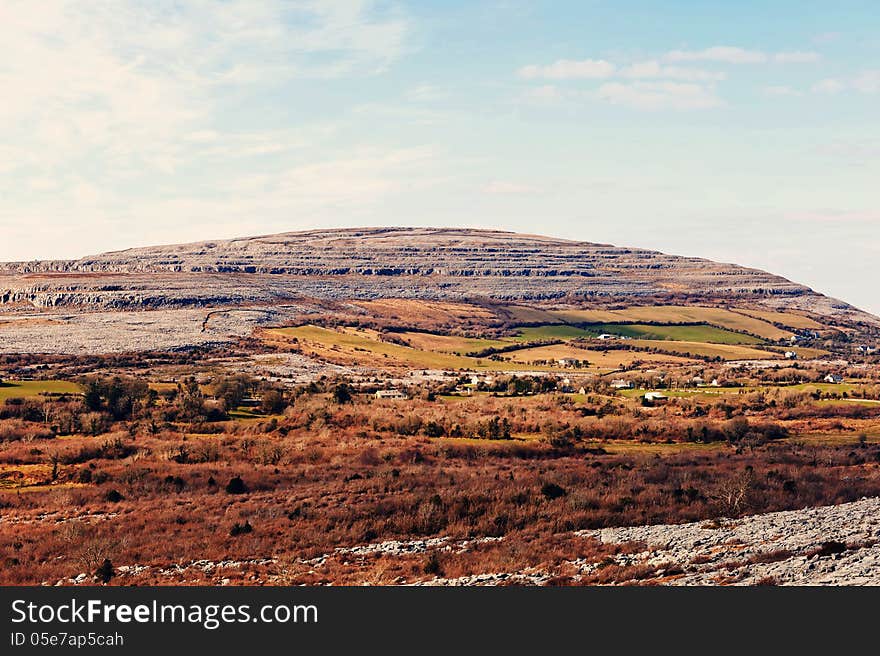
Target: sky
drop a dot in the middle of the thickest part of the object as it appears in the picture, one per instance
(744, 132)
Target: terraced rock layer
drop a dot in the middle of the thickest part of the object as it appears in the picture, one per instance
(378, 263)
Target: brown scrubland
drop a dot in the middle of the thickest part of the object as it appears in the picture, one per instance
(229, 479)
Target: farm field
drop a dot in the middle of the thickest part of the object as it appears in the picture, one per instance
(807, 388)
(362, 346)
(525, 314)
(450, 343)
(538, 333)
(679, 393)
(606, 360)
(672, 314)
(17, 476)
(700, 333)
(23, 389)
(428, 313)
(803, 352)
(788, 319)
(723, 351)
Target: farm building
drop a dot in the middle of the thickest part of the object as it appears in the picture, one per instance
(655, 396)
(619, 383)
(390, 394)
(833, 378)
(791, 355)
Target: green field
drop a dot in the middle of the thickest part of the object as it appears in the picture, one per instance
(674, 314)
(540, 333)
(700, 333)
(22, 389)
(251, 415)
(450, 343)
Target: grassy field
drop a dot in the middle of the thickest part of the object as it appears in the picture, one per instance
(839, 388)
(714, 391)
(450, 343)
(537, 333)
(247, 415)
(788, 319)
(606, 360)
(13, 477)
(719, 317)
(804, 352)
(701, 333)
(707, 392)
(420, 313)
(523, 314)
(654, 448)
(723, 351)
(363, 347)
(23, 389)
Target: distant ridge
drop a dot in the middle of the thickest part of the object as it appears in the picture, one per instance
(443, 263)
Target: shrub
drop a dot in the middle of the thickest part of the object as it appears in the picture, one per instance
(241, 529)
(552, 491)
(236, 486)
(105, 572)
(113, 496)
(432, 565)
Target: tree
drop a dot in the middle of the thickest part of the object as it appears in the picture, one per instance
(342, 394)
(232, 389)
(272, 402)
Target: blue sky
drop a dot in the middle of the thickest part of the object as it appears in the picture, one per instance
(746, 132)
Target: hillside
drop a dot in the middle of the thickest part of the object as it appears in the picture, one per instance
(279, 279)
(388, 262)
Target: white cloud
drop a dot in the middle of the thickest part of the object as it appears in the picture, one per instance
(734, 55)
(725, 54)
(659, 95)
(829, 85)
(654, 70)
(120, 105)
(546, 94)
(796, 57)
(781, 90)
(568, 69)
(425, 93)
(867, 81)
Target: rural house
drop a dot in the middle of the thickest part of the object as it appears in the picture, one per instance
(390, 394)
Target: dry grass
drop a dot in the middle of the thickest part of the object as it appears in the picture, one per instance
(787, 319)
(521, 314)
(22, 389)
(723, 351)
(428, 314)
(362, 346)
(450, 343)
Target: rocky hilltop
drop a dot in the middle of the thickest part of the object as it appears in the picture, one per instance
(217, 291)
(380, 262)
